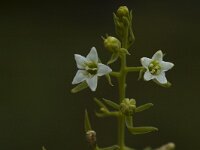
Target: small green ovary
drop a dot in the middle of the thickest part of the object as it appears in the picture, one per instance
(154, 68)
(91, 68)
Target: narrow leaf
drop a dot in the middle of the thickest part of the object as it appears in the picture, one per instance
(129, 121)
(141, 74)
(43, 148)
(87, 122)
(79, 87)
(167, 85)
(113, 58)
(128, 148)
(100, 104)
(112, 104)
(137, 130)
(148, 148)
(109, 79)
(125, 51)
(131, 15)
(114, 147)
(101, 115)
(141, 130)
(143, 107)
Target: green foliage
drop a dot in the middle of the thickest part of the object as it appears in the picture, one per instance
(126, 108)
(79, 87)
(143, 107)
(87, 122)
(167, 85)
(138, 130)
(111, 104)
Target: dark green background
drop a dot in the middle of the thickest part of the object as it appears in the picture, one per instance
(37, 43)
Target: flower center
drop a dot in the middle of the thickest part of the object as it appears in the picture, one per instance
(91, 68)
(154, 68)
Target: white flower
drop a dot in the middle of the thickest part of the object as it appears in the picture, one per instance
(89, 69)
(156, 67)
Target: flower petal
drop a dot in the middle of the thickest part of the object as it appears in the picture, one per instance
(80, 76)
(148, 76)
(158, 56)
(161, 78)
(92, 56)
(92, 82)
(103, 69)
(165, 66)
(145, 61)
(80, 61)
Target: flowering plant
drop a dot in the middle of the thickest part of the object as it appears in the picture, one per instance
(90, 69)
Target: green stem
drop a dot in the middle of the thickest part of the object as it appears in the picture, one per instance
(122, 92)
(122, 95)
(134, 69)
(115, 74)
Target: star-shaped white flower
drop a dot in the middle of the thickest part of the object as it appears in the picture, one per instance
(156, 67)
(89, 69)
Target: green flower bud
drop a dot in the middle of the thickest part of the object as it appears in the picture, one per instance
(112, 44)
(122, 11)
(128, 106)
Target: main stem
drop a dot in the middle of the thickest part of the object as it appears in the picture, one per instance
(122, 95)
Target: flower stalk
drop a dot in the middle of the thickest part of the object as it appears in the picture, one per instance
(91, 69)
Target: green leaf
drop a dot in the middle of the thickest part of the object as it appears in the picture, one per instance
(100, 104)
(148, 148)
(128, 148)
(87, 122)
(143, 107)
(141, 130)
(113, 58)
(111, 103)
(141, 73)
(131, 16)
(137, 130)
(79, 87)
(43, 148)
(114, 147)
(101, 115)
(125, 51)
(109, 79)
(129, 121)
(167, 85)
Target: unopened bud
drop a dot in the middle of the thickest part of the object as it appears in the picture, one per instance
(128, 106)
(112, 44)
(91, 137)
(122, 11)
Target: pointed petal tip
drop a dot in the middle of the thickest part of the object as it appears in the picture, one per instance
(158, 56)
(92, 82)
(145, 61)
(92, 55)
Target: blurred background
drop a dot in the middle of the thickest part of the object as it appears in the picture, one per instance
(37, 44)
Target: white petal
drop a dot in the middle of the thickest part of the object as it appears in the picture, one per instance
(148, 76)
(80, 76)
(92, 82)
(161, 78)
(80, 61)
(103, 69)
(145, 61)
(158, 56)
(165, 66)
(92, 56)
